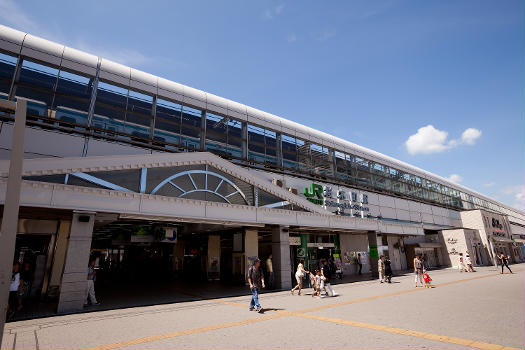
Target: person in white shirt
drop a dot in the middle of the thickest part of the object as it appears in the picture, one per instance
(468, 261)
(299, 275)
(13, 290)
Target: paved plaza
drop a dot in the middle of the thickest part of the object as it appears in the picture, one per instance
(481, 310)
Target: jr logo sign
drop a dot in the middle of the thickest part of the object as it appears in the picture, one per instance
(314, 194)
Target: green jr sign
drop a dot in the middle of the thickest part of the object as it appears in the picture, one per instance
(314, 194)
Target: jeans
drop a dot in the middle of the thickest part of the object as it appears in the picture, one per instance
(90, 292)
(255, 298)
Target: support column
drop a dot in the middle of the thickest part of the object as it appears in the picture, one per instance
(59, 259)
(251, 248)
(74, 278)
(244, 136)
(214, 257)
(373, 254)
(281, 257)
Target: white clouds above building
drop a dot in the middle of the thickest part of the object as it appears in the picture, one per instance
(428, 140)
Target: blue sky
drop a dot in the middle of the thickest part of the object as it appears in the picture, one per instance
(437, 84)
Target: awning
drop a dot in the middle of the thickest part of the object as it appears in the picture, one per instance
(502, 239)
(429, 245)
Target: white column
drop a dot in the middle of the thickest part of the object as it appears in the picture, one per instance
(281, 257)
(74, 278)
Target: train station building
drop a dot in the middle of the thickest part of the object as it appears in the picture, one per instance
(163, 183)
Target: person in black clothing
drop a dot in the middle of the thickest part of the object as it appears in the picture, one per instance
(26, 278)
(326, 272)
(256, 281)
(359, 263)
(388, 269)
(504, 261)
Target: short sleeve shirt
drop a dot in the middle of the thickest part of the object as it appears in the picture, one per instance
(256, 277)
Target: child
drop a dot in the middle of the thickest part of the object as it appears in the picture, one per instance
(313, 282)
(318, 283)
(427, 280)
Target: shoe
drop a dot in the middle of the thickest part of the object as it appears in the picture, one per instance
(96, 304)
(251, 309)
(259, 309)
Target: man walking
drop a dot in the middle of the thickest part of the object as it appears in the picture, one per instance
(504, 261)
(269, 270)
(359, 262)
(418, 270)
(468, 260)
(90, 290)
(256, 281)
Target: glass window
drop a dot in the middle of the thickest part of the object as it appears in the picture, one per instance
(270, 141)
(167, 124)
(321, 160)
(191, 127)
(303, 155)
(289, 150)
(110, 107)
(256, 144)
(216, 133)
(72, 97)
(37, 82)
(234, 138)
(7, 69)
(139, 115)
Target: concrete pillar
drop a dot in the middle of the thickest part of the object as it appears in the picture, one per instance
(74, 278)
(281, 257)
(214, 257)
(59, 258)
(373, 255)
(251, 247)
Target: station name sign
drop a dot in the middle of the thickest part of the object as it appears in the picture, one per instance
(325, 196)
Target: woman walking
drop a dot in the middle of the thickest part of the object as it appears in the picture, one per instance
(418, 269)
(299, 274)
(388, 270)
(504, 261)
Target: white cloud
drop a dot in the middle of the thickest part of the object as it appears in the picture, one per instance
(126, 57)
(326, 34)
(517, 196)
(429, 140)
(270, 14)
(470, 136)
(291, 37)
(12, 14)
(455, 178)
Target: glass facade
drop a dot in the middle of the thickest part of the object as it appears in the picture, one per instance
(62, 98)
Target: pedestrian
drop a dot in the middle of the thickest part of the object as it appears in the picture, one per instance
(504, 261)
(388, 270)
(317, 279)
(14, 288)
(381, 268)
(418, 270)
(269, 271)
(26, 278)
(256, 281)
(90, 289)
(461, 263)
(425, 261)
(299, 275)
(468, 261)
(326, 273)
(359, 262)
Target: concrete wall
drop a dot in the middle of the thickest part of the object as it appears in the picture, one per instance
(59, 258)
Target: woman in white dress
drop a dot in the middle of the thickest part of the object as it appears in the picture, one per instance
(299, 274)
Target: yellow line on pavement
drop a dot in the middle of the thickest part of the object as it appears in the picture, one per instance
(401, 292)
(302, 313)
(401, 331)
(181, 333)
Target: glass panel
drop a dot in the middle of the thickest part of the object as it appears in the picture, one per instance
(37, 82)
(168, 123)
(321, 161)
(216, 133)
(72, 97)
(110, 107)
(289, 150)
(256, 146)
(303, 155)
(191, 127)
(139, 115)
(271, 147)
(7, 69)
(235, 138)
